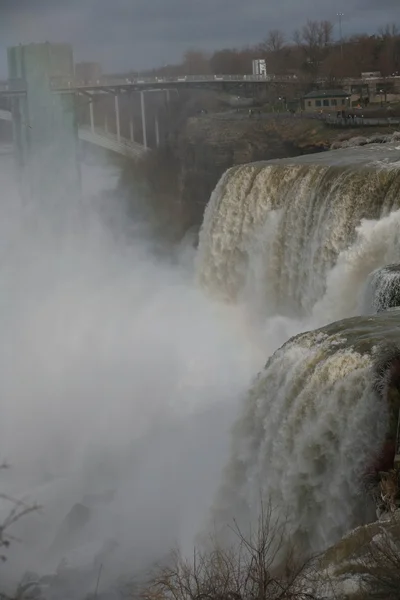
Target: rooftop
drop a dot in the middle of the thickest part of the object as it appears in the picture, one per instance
(327, 94)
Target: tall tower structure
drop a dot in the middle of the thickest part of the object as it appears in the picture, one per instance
(44, 121)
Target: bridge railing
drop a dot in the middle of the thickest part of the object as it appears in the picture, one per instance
(65, 83)
(13, 85)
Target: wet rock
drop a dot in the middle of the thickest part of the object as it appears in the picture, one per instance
(359, 141)
(350, 566)
(382, 289)
(363, 141)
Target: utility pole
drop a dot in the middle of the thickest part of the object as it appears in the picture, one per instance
(341, 15)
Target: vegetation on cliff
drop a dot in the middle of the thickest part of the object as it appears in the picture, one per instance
(311, 53)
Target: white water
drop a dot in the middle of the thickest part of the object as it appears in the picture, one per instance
(311, 427)
(382, 289)
(293, 240)
(117, 373)
(273, 233)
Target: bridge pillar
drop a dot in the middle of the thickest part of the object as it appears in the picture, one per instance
(157, 129)
(143, 108)
(44, 122)
(91, 110)
(132, 137)
(117, 121)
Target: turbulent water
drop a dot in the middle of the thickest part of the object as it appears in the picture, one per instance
(314, 422)
(296, 240)
(382, 290)
(120, 378)
(273, 232)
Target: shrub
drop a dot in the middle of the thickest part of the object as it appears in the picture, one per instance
(259, 566)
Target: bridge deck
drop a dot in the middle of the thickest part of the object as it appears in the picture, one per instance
(101, 138)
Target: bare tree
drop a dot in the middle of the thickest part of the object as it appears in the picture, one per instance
(18, 510)
(275, 41)
(196, 62)
(226, 61)
(315, 39)
(259, 566)
(390, 30)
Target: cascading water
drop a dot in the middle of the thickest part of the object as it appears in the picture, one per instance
(314, 422)
(119, 379)
(274, 231)
(382, 290)
(299, 238)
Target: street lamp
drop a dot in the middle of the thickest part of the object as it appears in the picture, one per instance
(340, 16)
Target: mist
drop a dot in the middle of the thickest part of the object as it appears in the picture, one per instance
(119, 382)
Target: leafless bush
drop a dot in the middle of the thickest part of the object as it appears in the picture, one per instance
(259, 566)
(18, 510)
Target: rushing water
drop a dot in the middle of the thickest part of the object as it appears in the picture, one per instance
(273, 232)
(120, 377)
(296, 240)
(314, 422)
(382, 290)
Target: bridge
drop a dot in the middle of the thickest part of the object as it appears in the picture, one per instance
(44, 116)
(99, 137)
(16, 87)
(106, 84)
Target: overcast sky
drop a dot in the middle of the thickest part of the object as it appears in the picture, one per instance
(137, 34)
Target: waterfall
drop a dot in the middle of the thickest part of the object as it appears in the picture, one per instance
(382, 290)
(298, 240)
(274, 231)
(118, 374)
(312, 425)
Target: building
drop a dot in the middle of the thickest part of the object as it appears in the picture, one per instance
(44, 123)
(332, 100)
(259, 68)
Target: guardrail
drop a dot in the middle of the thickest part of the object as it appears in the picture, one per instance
(13, 85)
(63, 83)
(69, 83)
(361, 122)
(57, 83)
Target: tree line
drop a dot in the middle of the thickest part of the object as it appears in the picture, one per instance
(310, 53)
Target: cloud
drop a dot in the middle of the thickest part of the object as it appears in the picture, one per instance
(136, 34)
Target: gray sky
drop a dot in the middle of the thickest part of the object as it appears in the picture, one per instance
(136, 34)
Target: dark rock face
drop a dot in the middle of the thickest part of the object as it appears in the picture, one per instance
(383, 289)
(73, 523)
(208, 146)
